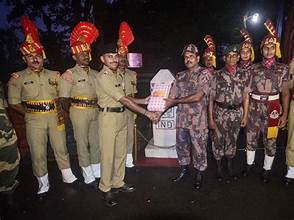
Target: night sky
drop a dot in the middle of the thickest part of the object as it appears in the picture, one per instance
(161, 28)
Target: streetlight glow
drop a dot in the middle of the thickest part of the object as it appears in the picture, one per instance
(255, 18)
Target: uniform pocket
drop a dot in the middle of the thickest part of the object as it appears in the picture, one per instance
(30, 90)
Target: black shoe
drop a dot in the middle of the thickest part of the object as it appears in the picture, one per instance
(232, 175)
(265, 176)
(108, 197)
(198, 180)
(92, 185)
(125, 188)
(219, 172)
(247, 170)
(42, 196)
(287, 181)
(184, 173)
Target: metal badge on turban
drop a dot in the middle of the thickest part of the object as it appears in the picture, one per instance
(32, 42)
(125, 38)
(82, 36)
(272, 37)
(247, 43)
(210, 50)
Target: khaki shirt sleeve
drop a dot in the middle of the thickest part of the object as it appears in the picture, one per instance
(65, 84)
(14, 90)
(134, 82)
(107, 84)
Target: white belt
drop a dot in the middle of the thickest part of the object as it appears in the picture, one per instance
(265, 97)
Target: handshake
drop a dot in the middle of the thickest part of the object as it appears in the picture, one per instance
(154, 116)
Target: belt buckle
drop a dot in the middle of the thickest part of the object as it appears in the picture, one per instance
(121, 109)
(263, 98)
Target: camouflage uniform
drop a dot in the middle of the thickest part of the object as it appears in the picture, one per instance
(266, 81)
(227, 92)
(192, 118)
(9, 155)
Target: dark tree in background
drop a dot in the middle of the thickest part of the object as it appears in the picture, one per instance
(161, 27)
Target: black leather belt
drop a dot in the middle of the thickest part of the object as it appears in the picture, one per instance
(228, 106)
(112, 109)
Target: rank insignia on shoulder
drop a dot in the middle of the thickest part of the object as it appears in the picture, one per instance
(14, 75)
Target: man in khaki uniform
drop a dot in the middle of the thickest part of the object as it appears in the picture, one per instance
(78, 84)
(33, 92)
(289, 178)
(129, 82)
(113, 125)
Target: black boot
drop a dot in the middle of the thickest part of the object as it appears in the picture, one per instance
(198, 180)
(182, 174)
(247, 170)
(219, 172)
(265, 176)
(287, 181)
(232, 175)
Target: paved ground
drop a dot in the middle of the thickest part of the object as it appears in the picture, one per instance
(156, 197)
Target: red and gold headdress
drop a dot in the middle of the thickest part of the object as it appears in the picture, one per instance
(272, 37)
(247, 43)
(210, 50)
(32, 42)
(125, 38)
(82, 36)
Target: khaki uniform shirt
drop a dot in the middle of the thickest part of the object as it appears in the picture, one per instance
(109, 88)
(27, 85)
(129, 82)
(78, 82)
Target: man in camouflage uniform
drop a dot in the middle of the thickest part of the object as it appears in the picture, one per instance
(246, 50)
(112, 121)
(290, 145)
(226, 109)
(190, 93)
(79, 85)
(268, 80)
(129, 82)
(9, 156)
(33, 93)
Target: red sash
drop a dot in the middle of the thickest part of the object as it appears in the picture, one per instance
(274, 110)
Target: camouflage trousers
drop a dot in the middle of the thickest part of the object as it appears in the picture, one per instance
(226, 132)
(257, 125)
(190, 142)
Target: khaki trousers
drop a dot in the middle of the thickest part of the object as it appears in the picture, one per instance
(290, 144)
(112, 141)
(85, 127)
(38, 127)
